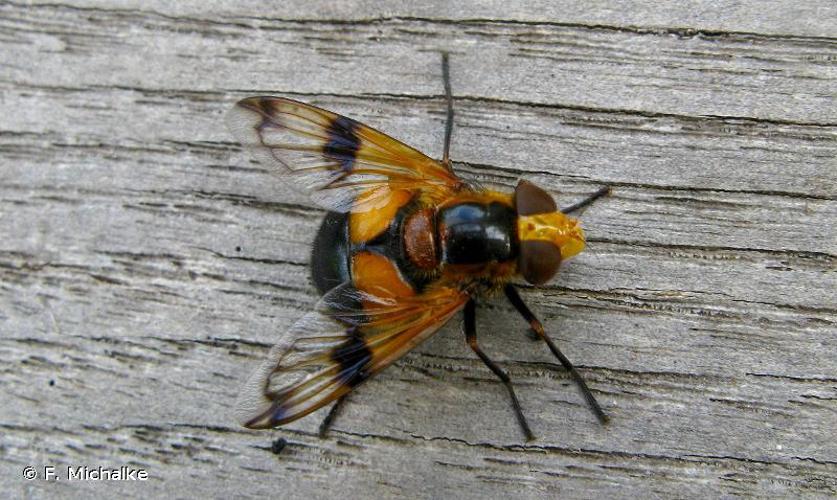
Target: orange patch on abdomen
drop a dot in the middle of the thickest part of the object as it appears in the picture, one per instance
(365, 225)
(378, 276)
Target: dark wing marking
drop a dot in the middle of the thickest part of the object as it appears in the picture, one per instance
(350, 336)
(334, 157)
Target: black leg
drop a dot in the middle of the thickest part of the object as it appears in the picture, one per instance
(449, 99)
(329, 419)
(471, 337)
(537, 327)
(586, 201)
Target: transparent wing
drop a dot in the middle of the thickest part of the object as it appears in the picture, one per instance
(350, 336)
(333, 157)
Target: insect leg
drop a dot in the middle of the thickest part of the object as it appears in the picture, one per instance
(471, 337)
(449, 99)
(537, 327)
(329, 419)
(603, 191)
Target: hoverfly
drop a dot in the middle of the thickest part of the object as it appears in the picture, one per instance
(405, 245)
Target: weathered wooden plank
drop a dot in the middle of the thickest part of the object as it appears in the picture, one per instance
(146, 264)
(773, 17)
(772, 197)
(737, 75)
(371, 463)
(408, 434)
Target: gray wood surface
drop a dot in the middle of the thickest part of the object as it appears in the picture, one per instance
(147, 264)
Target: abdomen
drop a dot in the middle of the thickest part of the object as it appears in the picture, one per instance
(399, 256)
(330, 253)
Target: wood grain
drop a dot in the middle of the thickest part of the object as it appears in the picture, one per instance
(147, 264)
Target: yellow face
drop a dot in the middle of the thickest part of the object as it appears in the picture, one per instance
(555, 227)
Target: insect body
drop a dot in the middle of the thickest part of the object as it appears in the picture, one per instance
(406, 244)
(478, 239)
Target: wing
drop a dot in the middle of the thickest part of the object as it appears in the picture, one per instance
(350, 336)
(334, 157)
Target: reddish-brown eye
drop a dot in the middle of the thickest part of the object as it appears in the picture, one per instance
(529, 199)
(538, 261)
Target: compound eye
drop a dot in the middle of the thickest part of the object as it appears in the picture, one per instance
(538, 261)
(529, 199)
